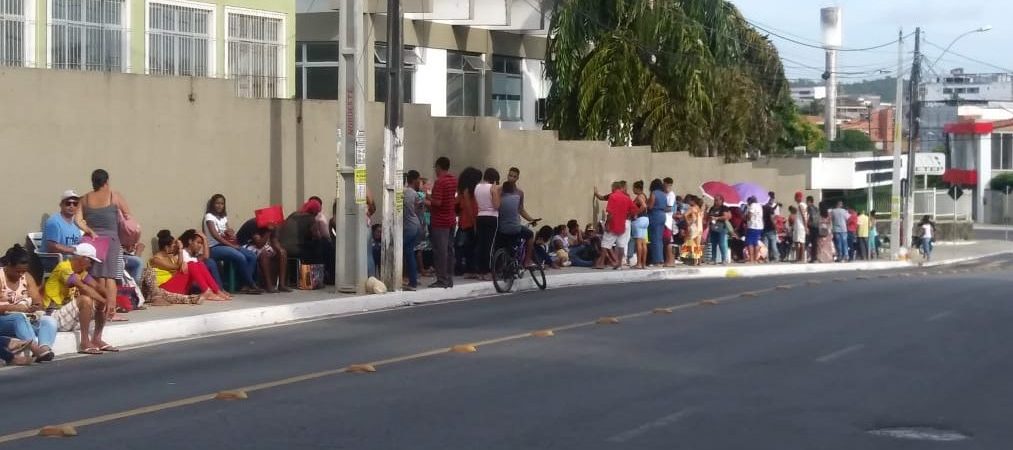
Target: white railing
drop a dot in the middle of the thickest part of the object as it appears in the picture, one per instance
(938, 205)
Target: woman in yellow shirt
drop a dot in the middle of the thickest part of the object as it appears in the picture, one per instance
(175, 273)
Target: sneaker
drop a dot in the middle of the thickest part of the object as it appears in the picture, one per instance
(438, 284)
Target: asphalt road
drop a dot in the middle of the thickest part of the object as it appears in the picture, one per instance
(788, 365)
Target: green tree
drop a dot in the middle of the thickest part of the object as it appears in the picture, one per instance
(674, 74)
(852, 141)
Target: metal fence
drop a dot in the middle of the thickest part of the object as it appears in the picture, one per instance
(89, 35)
(256, 55)
(180, 40)
(939, 205)
(14, 32)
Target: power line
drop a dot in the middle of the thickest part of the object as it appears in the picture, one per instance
(1004, 69)
(804, 44)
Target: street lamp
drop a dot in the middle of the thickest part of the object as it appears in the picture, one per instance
(965, 34)
(868, 107)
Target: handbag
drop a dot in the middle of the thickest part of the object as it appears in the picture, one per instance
(101, 244)
(129, 230)
(311, 276)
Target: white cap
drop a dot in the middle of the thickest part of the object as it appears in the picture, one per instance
(69, 193)
(88, 251)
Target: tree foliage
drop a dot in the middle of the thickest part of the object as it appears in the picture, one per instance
(674, 74)
(852, 141)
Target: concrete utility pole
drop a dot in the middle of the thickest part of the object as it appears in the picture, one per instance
(830, 19)
(912, 140)
(350, 189)
(898, 136)
(393, 154)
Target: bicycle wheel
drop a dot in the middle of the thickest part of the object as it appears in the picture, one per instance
(538, 274)
(503, 271)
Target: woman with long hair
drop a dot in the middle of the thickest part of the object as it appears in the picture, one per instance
(487, 199)
(656, 205)
(21, 304)
(176, 270)
(640, 224)
(692, 247)
(222, 244)
(465, 241)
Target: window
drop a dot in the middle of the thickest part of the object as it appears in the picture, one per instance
(256, 53)
(1002, 151)
(316, 70)
(15, 33)
(947, 90)
(409, 60)
(507, 89)
(88, 35)
(973, 90)
(181, 39)
(464, 84)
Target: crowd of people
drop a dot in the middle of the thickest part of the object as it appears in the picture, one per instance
(452, 227)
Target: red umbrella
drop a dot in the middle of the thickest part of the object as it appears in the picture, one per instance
(714, 188)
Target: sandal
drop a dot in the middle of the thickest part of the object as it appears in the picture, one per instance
(18, 346)
(46, 356)
(109, 348)
(90, 351)
(250, 291)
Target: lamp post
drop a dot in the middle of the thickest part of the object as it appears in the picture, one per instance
(954, 41)
(868, 108)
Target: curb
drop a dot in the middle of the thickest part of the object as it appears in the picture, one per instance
(964, 259)
(164, 330)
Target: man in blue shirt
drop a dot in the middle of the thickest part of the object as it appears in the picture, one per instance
(61, 234)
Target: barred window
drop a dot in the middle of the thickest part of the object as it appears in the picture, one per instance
(180, 40)
(88, 35)
(256, 55)
(507, 90)
(13, 33)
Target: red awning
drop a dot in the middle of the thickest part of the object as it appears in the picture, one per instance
(965, 128)
(961, 177)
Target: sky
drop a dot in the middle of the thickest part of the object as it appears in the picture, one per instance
(869, 23)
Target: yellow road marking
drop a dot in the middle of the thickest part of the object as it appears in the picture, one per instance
(355, 368)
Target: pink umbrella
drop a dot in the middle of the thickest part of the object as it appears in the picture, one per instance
(714, 188)
(747, 190)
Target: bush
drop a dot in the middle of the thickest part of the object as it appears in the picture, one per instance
(1001, 182)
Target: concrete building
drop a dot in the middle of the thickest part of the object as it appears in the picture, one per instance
(462, 57)
(968, 88)
(805, 96)
(248, 41)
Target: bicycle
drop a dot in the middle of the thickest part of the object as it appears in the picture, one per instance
(508, 265)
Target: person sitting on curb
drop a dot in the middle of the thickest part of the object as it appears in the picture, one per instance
(11, 350)
(176, 274)
(20, 304)
(80, 300)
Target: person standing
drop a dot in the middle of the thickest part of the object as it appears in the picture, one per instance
(814, 228)
(617, 225)
(927, 230)
(754, 228)
(719, 215)
(412, 227)
(852, 234)
(99, 216)
(873, 236)
(487, 197)
(442, 203)
(657, 205)
(839, 221)
(862, 233)
(467, 213)
(770, 213)
(671, 200)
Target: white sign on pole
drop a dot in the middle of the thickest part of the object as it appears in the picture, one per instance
(930, 163)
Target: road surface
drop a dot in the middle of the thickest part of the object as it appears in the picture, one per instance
(837, 361)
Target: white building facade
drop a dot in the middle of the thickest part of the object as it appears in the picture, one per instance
(461, 57)
(965, 88)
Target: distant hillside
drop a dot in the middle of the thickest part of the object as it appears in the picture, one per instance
(886, 88)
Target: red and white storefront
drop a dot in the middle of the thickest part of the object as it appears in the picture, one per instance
(979, 151)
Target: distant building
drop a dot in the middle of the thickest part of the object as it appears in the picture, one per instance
(967, 88)
(805, 96)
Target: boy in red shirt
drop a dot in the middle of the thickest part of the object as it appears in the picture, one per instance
(441, 204)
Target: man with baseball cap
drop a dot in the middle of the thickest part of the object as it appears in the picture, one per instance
(79, 298)
(61, 233)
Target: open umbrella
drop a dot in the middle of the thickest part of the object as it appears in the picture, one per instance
(746, 190)
(714, 188)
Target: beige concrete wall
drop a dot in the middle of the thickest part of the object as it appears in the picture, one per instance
(170, 143)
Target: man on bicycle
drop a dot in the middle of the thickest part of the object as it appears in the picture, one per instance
(510, 226)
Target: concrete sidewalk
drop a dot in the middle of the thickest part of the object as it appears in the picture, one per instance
(161, 324)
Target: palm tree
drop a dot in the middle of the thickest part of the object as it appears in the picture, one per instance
(674, 74)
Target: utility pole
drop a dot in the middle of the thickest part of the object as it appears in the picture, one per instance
(912, 139)
(831, 23)
(350, 182)
(393, 154)
(898, 133)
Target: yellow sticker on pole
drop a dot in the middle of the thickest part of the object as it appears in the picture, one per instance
(360, 184)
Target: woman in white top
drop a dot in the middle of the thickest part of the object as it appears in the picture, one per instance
(927, 231)
(487, 196)
(223, 245)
